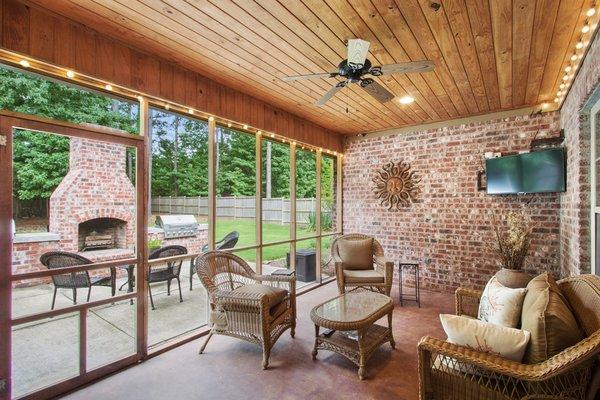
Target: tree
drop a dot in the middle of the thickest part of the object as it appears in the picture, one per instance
(40, 160)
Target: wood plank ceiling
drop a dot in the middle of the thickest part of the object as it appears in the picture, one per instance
(489, 55)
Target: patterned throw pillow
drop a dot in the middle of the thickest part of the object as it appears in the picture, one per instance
(501, 305)
(484, 337)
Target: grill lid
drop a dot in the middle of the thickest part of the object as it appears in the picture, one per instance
(177, 225)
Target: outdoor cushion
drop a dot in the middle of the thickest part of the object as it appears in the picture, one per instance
(363, 276)
(485, 337)
(549, 319)
(501, 305)
(356, 254)
(274, 295)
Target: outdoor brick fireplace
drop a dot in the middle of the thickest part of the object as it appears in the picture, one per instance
(94, 206)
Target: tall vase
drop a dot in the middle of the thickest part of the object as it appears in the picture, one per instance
(513, 278)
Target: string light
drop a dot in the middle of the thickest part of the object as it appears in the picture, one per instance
(562, 86)
(229, 124)
(190, 111)
(259, 133)
(574, 57)
(245, 127)
(167, 107)
(70, 74)
(586, 28)
(568, 68)
(272, 135)
(211, 118)
(591, 12)
(24, 63)
(579, 45)
(108, 87)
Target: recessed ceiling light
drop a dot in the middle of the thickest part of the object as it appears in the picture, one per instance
(591, 12)
(24, 63)
(406, 100)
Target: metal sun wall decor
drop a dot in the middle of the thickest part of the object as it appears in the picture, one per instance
(396, 185)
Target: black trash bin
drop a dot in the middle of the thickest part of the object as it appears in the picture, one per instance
(306, 265)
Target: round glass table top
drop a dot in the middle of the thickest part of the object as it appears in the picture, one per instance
(353, 306)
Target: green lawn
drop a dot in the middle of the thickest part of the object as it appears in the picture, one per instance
(271, 233)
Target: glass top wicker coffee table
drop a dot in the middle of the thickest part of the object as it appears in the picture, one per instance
(352, 318)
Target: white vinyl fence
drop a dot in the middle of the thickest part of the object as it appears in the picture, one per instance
(273, 210)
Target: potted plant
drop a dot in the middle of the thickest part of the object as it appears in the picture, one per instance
(154, 244)
(511, 248)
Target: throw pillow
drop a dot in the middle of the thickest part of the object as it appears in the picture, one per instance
(548, 317)
(509, 343)
(356, 253)
(501, 305)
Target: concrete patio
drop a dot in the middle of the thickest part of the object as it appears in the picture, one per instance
(47, 351)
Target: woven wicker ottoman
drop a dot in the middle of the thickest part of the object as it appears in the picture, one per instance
(353, 311)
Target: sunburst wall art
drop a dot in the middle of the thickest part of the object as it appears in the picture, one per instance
(396, 185)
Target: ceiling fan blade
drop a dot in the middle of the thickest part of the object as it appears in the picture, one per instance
(309, 76)
(321, 102)
(403, 68)
(357, 52)
(380, 93)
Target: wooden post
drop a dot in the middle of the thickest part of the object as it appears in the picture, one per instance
(143, 198)
(318, 215)
(212, 178)
(338, 196)
(258, 203)
(293, 206)
(5, 257)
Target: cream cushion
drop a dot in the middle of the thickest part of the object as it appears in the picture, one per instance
(356, 253)
(485, 337)
(501, 305)
(549, 319)
(363, 276)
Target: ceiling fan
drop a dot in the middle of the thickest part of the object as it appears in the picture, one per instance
(356, 66)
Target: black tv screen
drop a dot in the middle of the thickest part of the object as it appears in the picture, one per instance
(536, 172)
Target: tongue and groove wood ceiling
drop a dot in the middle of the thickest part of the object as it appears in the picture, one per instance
(489, 55)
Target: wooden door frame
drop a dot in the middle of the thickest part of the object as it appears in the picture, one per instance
(9, 121)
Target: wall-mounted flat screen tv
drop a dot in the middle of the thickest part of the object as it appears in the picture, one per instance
(536, 172)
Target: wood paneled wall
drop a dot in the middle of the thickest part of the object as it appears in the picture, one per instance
(43, 35)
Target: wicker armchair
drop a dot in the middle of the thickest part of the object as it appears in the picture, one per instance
(448, 371)
(251, 314)
(75, 280)
(381, 281)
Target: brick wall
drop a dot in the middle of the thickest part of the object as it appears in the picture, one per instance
(575, 202)
(448, 227)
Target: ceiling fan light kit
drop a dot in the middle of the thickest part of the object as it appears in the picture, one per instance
(356, 65)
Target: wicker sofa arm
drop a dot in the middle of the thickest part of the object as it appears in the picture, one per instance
(467, 301)
(586, 350)
(280, 281)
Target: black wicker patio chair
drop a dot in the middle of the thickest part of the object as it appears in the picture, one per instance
(228, 242)
(75, 280)
(162, 274)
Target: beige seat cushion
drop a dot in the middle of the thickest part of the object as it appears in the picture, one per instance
(485, 337)
(357, 253)
(363, 276)
(275, 296)
(548, 317)
(501, 305)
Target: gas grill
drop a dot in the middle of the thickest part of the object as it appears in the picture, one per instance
(177, 226)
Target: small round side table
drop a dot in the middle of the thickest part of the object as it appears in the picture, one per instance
(414, 269)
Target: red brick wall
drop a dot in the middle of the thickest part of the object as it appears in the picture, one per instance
(448, 227)
(575, 203)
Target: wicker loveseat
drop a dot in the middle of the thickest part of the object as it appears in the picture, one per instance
(448, 371)
(244, 305)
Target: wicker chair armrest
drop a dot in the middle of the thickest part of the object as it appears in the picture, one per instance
(384, 266)
(464, 295)
(571, 357)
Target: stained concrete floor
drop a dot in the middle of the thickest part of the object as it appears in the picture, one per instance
(47, 351)
(230, 369)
